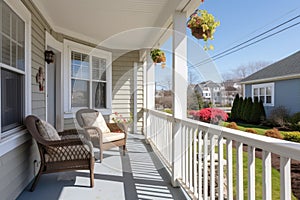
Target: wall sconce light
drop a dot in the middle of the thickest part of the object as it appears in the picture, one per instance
(49, 56)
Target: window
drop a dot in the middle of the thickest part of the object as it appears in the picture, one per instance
(90, 78)
(264, 92)
(88, 72)
(12, 68)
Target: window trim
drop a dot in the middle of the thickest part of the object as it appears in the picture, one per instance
(18, 136)
(265, 85)
(70, 46)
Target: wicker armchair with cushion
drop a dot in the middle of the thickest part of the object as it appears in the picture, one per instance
(62, 151)
(103, 135)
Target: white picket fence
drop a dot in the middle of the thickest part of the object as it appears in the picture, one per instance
(206, 157)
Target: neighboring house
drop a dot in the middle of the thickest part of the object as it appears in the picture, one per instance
(210, 91)
(219, 93)
(232, 88)
(277, 85)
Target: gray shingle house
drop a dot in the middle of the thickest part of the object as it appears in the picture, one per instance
(276, 85)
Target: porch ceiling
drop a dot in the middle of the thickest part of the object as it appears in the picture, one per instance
(96, 21)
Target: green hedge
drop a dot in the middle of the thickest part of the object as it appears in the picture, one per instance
(292, 136)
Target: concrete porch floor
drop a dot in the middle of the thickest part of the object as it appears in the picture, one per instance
(137, 175)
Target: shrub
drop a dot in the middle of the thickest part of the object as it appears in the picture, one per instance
(279, 116)
(258, 112)
(292, 136)
(247, 110)
(295, 118)
(232, 125)
(239, 108)
(250, 130)
(212, 115)
(168, 110)
(274, 133)
(235, 107)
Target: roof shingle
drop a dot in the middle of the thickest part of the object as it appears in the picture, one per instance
(287, 66)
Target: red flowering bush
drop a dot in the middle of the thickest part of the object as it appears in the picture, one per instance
(210, 115)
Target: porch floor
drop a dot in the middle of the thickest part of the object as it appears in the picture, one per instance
(137, 175)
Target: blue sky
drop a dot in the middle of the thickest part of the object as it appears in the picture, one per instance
(240, 21)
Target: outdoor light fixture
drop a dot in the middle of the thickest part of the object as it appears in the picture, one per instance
(49, 56)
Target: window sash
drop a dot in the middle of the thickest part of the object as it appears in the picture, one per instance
(264, 92)
(96, 80)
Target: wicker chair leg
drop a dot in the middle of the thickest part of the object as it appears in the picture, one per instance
(92, 175)
(124, 150)
(101, 156)
(36, 179)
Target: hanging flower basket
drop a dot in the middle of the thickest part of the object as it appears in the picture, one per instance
(199, 34)
(158, 56)
(203, 25)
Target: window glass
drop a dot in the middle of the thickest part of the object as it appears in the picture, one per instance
(80, 93)
(12, 99)
(99, 95)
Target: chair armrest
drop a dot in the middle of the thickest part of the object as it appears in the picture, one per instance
(69, 132)
(93, 132)
(116, 127)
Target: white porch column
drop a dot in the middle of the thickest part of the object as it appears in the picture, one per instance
(149, 87)
(180, 78)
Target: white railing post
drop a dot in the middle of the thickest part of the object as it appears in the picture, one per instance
(179, 85)
(149, 86)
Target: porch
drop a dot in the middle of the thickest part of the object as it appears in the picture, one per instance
(137, 175)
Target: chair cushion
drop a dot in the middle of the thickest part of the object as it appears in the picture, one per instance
(110, 137)
(47, 131)
(95, 119)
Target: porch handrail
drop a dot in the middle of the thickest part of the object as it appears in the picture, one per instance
(199, 157)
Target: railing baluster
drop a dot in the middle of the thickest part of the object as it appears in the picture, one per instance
(220, 168)
(191, 158)
(251, 173)
(205, 166)
(195, 172)
(212, 167)
(239, 170)
(229, 169)
(200, 165)
(184, 155)
(285, 178)
(267, 172)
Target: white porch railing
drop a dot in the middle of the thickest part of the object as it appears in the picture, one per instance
(214, 147)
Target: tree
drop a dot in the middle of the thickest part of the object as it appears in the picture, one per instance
(243, 110)
(234, 108)
(239, 108)
(247, 109)
(258, 112)
(245, 70)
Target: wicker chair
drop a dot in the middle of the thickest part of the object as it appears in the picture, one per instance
(69, 153)
(101, 140)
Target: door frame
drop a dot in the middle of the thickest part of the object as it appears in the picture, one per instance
(50, 41)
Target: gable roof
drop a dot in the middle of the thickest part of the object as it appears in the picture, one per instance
(289, 66)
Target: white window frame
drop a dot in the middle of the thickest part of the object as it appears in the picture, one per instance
(265, 85)
(18, 136)
(70, 46)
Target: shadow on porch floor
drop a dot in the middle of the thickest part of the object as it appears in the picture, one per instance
(138, 175)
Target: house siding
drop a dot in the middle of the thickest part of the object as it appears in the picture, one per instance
(17, 169)
(286, 93)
